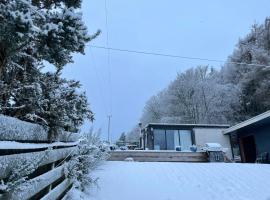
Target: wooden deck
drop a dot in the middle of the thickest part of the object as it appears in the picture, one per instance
(158, 156)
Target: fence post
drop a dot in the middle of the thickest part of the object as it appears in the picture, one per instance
(52, 167)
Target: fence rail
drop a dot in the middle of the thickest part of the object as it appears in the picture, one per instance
(25, 146)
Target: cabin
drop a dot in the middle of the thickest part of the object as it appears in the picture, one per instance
(250, 140)
(165, 136)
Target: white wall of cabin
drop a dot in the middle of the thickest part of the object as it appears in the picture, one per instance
(212, 135)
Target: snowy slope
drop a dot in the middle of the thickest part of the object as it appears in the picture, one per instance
(174, 181)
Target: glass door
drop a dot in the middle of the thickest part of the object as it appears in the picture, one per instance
(170, 139)
(159, 139)
(185, 139)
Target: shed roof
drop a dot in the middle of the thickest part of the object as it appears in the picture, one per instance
(171, 125)
(252, 121)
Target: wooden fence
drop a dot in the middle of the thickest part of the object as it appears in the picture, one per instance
(24, 146)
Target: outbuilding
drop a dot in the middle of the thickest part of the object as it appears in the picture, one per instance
(165, 136)
(251, 139)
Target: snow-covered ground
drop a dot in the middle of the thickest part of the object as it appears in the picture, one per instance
(174, 181)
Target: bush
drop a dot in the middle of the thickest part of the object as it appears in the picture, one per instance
(91, 153)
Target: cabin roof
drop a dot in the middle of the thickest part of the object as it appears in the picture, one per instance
(175, 125)
(259, 119)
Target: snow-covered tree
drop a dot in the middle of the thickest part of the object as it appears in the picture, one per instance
(253, 79)
(40, 30)
(122, 137)
(32, 32)
(196, 96)
(134, 134)
(62, 105)
(154, 109)
(240, 90)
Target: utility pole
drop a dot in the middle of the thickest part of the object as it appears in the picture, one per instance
(109, 124)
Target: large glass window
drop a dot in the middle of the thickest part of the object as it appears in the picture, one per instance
(185, 139)
(159, 139)
(170, 139)
(176, 139)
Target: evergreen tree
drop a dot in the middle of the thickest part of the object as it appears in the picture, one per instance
(122, 137)
(62, 105)
(252, 80)
(32, 32)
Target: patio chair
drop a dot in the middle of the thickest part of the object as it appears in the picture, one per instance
(263, 158)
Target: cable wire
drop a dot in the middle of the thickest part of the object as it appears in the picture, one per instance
(176, 56)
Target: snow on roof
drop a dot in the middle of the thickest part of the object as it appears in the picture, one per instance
(248, 122)
(192, 125)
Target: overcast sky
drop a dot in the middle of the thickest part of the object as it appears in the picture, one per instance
(205, 29)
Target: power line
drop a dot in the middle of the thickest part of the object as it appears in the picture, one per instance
(176, 56)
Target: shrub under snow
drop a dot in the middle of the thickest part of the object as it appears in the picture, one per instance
(92, 152)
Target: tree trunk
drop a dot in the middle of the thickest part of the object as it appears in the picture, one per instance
(2, 60)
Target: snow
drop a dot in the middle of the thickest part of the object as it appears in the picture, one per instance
(10, 163)
(160, 151)
(129, 159)
(33, 186)
(59, 189)
(174, 181)
(19, 145)
(15, 129)
(213, 147)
